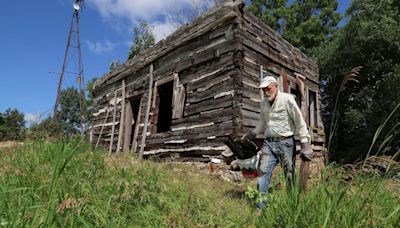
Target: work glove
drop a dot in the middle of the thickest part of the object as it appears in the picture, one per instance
(249, 136)
(306, 151)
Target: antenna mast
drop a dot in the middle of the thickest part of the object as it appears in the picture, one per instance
(73, 36)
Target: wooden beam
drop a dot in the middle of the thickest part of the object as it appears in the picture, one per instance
(304, 174)
(122, 119)
(127, 127)
(101, 131)
(113, 123)
(146, 120)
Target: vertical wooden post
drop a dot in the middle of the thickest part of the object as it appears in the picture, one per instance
(154, 109)
(146, 120)
(136, 132)
(121, 119)
(261, 78)
(304, 174)
(128, 127)
(102, 128)
(113, 123)
(178, 100)
(91, 135)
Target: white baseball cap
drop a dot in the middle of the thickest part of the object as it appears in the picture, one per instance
(266, 81)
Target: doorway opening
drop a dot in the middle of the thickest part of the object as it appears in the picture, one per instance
(164, 120)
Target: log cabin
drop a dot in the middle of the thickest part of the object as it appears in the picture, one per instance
(181, 98)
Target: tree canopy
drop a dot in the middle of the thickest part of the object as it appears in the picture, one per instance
(142, 38)
(371, 39)
(307, 24)
(12, 125)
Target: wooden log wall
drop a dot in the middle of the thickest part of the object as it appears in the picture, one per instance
(204, 67)
(207, 73)
(263, 47)
(214, 66)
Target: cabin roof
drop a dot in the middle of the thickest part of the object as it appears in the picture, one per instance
(203, 24)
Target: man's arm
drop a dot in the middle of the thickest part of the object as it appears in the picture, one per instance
(301, 129)
(298, 119)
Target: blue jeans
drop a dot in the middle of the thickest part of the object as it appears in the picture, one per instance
(272, 153)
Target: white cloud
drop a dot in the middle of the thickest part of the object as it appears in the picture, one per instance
(135, 9)
(100, 47)
(31, 118)
(162, 30)
(164, 16)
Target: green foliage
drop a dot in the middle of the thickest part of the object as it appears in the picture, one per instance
(46, 129)
(366, 202)
(89, 100)
(70, 114)
(272, 12)
(3, 128)
(369, 39)
(69, 119)
(114, 64)
(12, 125)
(307, 24)
(68, 184)
(142, 38)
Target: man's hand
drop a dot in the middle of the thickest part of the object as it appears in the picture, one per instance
(249, 136)
(306, 151)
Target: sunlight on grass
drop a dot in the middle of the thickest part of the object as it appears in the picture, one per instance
(69, 184)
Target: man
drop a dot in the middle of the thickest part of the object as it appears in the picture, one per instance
(280, 120)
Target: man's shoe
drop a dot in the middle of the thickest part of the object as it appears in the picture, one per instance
(258, 213)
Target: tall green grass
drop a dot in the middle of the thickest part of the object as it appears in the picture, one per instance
(365, 202)
(67, 184)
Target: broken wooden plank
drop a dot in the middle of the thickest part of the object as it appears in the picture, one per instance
(128, 128)
(178, 102)
(122, 119)
(113, 124)
(137, 124)
(101, 132)
(146, 120)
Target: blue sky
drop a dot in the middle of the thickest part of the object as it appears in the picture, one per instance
(34, 37)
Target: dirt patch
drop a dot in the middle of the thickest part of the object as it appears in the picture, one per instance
(7, 144)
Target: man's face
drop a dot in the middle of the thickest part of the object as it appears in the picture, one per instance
(270, 91)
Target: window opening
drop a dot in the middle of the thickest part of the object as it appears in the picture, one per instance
(312, 101)
(297, 95)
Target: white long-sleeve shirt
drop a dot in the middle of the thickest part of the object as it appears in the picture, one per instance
(283, 118)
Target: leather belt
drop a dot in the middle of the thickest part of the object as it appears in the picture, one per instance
(277, 138)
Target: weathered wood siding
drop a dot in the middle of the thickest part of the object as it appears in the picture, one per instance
(214, 67)
(205, 67)
(263, 47)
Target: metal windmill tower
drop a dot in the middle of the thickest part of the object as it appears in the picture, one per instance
(73, 45)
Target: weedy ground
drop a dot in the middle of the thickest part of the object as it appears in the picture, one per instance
(69, 184)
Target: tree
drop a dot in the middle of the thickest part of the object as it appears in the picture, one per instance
(46, 129)
(89, 100)
(3, 128)
(142, 38)
(114, 64)
(271, 12)
(13, 127)
(70, 115)
(185, 14)
(307, 24)
(369, 39)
